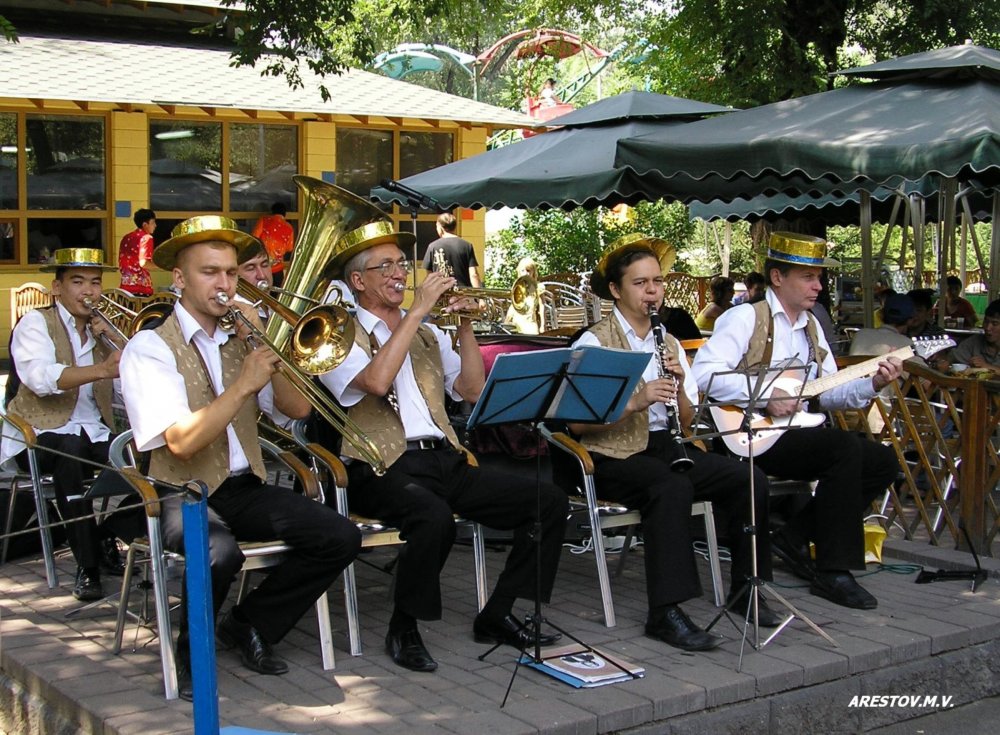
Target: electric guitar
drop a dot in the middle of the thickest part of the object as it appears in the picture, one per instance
(766, 430)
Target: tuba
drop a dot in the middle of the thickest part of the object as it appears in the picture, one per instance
(328, 213)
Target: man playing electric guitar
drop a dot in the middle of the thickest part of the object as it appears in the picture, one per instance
(851, 471)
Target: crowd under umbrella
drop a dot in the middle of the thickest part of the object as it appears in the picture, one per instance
(569, 167)
(931, 115)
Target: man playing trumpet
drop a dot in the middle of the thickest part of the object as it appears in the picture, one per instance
(61, 382)
(192, 393)
(393, 383)
(636, 458)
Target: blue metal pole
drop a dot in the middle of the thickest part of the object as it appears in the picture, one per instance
(200, 615)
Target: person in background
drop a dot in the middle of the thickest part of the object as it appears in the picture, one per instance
(897, 312)
(922, 323)
(956, 307)
(755, 287)
(134, 251)
(722, 298)
(254, 267)
(531, 321)
(458, 253)
(823, 308)
(547, 96)
(982, 351)
(278, 237)
(881, 295)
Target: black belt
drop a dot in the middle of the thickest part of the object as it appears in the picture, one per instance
(416, 444)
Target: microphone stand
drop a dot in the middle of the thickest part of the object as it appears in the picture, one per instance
(415, 201)
(754, 585)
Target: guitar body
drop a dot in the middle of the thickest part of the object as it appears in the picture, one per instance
(766, 429)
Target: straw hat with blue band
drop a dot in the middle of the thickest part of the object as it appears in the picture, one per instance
(799, 249)
(662, 250)
(77, 258)
(206, 228)
(359, 240)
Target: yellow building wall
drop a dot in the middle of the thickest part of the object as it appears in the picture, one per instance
(129, 163)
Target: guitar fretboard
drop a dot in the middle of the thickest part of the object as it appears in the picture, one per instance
(862, 370)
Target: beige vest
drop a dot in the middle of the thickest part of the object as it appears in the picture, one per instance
(377, 418)
(51, 412)
(631, 435)
(211, 464)
(762, 338)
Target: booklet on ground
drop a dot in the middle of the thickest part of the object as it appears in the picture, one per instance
(583, 667)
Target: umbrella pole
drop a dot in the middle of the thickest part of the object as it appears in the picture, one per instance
(866, 259)
(995, 249)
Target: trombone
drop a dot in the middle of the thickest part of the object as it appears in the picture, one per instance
(108, 311)
(320, 340)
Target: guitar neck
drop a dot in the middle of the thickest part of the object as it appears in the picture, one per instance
(861, 370)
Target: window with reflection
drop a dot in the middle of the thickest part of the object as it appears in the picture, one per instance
(8, 240)
(65, 162)
(185, 165)
(262, 161)
(364, 158)
(8, 160)
(419, 152)
(46, 235)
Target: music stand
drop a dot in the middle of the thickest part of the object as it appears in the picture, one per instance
(759, 380)
(587, 384)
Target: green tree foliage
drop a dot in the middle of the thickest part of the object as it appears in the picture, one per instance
(561, 241)
(7, 30)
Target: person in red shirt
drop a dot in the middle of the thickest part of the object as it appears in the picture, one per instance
(135, 250)
(278, 237)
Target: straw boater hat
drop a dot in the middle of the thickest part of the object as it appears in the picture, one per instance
(793, 247)
(77, 258)
(205, 228)
(367, 236)
(661, 249)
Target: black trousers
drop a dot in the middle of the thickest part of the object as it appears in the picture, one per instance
(419, 495)
(243, 508)
(67, 479)
(852, 471)
(645, 482)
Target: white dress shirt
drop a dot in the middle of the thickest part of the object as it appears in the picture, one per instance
(731, 337)
(34, 355)
(657, 411)
(154, 390)
(413, 411)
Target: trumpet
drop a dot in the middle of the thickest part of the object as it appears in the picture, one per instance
(320, 340)
(108, 311)
(522, 295)
(682, 462)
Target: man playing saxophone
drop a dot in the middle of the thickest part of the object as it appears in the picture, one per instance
(393, 383)
(192, 392)
(639, 463)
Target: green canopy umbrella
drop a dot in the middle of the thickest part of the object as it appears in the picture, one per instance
(564, 168)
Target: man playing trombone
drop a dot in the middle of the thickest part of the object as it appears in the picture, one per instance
(393, 383)
(639, 462)
(192, 393)
(62, 382)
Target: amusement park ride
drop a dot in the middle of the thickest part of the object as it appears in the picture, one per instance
(532, 46)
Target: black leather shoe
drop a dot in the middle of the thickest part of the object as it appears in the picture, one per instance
(841, 588)
(185, 689)
(508, 630)
(255, 652)
(111, 558)
(87, 587)
(407, 649)
(675, 627)
(766, 617)
(795, 556)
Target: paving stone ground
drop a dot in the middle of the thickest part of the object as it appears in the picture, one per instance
(58, 675)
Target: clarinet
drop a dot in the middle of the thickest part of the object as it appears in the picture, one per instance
(682, 462)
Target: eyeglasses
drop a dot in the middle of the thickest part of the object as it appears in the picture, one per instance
(388, 267)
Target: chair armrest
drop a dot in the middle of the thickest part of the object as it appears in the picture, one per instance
(310, 485)
(26, 429)
(570, 446)
(330, 460)
(150, 498)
